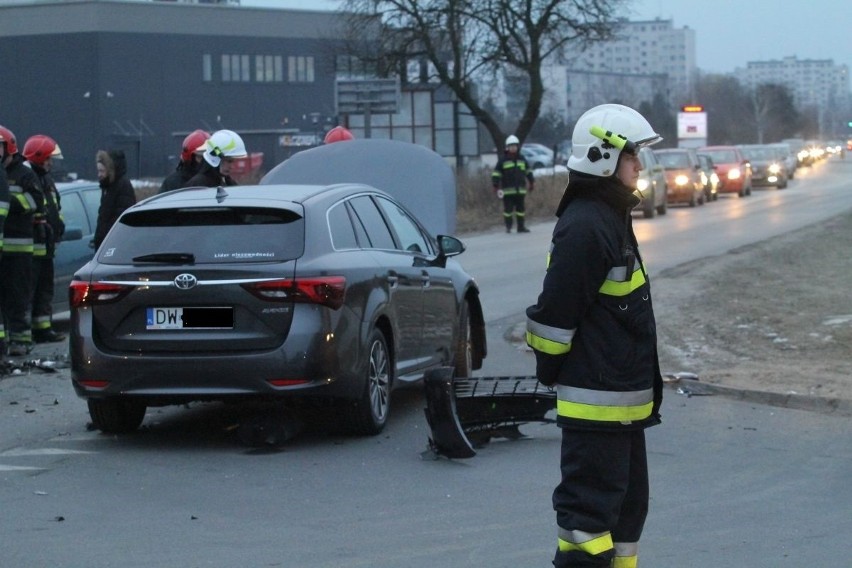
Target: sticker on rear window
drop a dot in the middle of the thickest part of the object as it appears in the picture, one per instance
(244, 255)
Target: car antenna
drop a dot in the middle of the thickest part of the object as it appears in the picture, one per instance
(221, 194)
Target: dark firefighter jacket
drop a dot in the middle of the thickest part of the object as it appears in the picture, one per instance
(178, 178)
(511, 174)
(49, 224)
(117, 192)
(593, 329)
(25, 198)
(4, 203)
(209, 176)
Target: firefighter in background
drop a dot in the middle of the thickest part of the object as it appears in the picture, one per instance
(40, 151)
(338, 134)
(190, 161)
(220, 150)
(4, 211)
(16, 265)
(594, 337)
(511, 180)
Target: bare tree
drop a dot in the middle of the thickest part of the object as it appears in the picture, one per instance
(467, 41)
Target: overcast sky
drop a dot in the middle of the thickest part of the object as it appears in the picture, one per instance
(728, 33)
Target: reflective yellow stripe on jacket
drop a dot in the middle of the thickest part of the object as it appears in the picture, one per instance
(549, 339)
(616, 283)
(603, 406)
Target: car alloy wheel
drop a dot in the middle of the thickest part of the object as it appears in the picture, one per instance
(369, 414)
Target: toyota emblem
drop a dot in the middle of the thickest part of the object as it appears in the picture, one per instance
(185, 281)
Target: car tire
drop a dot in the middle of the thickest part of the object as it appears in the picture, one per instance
(463, 355)
(112, 416)
(692, 200)
(369, 413)
(662, 208)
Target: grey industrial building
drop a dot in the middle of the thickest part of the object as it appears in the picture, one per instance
(139, 76)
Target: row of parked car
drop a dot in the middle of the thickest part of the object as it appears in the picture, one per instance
(695, 176)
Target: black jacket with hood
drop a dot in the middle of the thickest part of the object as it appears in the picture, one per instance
(117, 192)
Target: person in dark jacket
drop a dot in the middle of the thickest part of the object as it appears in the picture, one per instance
(116, 191)
(511, 179)
(594, 336)
(190, 161)
(4, 211)
(222, 148)
(16, 265)
(40, 150)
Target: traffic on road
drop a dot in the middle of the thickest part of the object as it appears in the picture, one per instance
(186, 477)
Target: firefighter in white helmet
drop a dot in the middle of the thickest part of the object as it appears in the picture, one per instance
(511, 179)
(594, 337)
(220, 151)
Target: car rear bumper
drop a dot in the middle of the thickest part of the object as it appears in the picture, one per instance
(305, 365)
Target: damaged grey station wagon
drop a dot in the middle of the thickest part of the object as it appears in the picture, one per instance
(331, 293)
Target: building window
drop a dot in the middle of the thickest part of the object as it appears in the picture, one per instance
(236, 68)
(300, 69)
(268, 68)
(206, 67)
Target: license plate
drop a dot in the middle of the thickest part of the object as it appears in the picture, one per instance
(189, 318)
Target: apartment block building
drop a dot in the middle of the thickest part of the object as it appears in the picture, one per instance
(817, 83)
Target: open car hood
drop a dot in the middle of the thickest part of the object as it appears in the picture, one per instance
(418, 177)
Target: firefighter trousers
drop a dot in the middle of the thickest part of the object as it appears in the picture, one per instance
(513, 206)
(602, 501)
(43, 286)
(15, 291)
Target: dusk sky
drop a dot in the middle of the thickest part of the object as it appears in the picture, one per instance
(729, 33)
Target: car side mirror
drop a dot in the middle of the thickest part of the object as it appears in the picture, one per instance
(449, 246)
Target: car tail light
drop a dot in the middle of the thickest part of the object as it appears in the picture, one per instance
(94, 384)
(90, 294)
(324, 290)
(281, 383)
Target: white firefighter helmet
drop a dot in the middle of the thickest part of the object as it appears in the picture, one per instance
(512, 139)
(223, 144)
(602, 133)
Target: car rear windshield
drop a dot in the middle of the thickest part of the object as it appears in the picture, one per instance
(205, 235)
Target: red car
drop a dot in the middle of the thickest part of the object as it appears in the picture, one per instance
(733, 168)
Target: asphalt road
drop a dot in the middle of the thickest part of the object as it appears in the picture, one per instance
(733, 483)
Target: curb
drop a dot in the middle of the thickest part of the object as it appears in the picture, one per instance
(834, 406)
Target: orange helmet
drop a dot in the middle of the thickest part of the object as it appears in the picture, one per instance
(191, 143)
(39, 148)
(8, 137)
(338, 134)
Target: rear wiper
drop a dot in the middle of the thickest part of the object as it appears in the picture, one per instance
(167, 257)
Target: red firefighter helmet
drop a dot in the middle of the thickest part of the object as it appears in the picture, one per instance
(338, 134)
(39, 148)
(191, 144)
(9, 138)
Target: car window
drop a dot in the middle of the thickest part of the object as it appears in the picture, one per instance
(73, 212)
(722, 156)
(374, 224)
(208, 234)
(671, 160)
(340, 227)
(92, 202)
(408, 233)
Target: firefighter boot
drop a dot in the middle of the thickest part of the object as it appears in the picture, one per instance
(47, 336)
(508, 220)
(521, 227)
